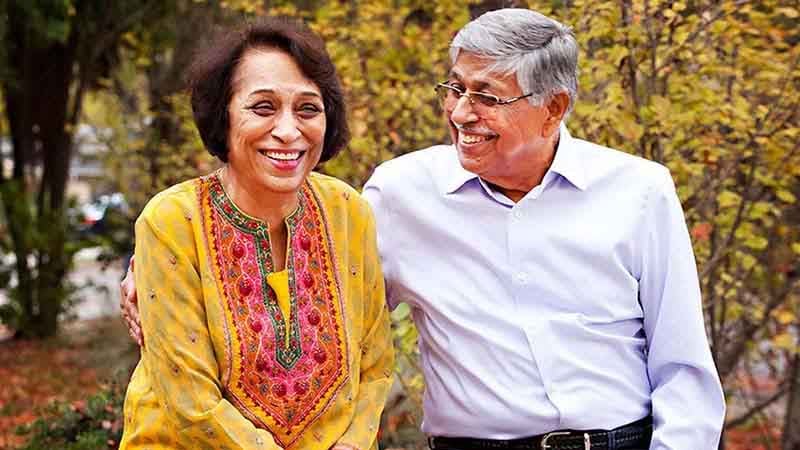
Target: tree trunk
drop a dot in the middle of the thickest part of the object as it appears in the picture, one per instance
(791, 427)
(22, 143)
(54, 52)
(37, 98)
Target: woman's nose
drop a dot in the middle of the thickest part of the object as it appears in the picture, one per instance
(286, 128)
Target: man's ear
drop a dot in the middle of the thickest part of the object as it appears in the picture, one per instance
(556, 109)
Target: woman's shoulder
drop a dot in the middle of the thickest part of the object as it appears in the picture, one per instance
(328, 187)
(335, 193)
(177, 200)
(327, 184)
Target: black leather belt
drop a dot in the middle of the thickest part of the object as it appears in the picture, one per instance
(632, 436)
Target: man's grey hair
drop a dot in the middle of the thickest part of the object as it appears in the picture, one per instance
(541, 52)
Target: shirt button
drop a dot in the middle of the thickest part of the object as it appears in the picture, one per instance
(518, 214)
(522, 277)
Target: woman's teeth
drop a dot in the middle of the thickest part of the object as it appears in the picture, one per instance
(282, 156)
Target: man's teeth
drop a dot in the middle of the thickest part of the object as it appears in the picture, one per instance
(283, 156)
(473, 139)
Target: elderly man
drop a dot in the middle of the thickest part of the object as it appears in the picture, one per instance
(552, 280)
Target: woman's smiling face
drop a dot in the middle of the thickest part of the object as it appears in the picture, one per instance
(276, 119)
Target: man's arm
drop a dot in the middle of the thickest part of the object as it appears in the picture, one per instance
(687, 398)
(376, 196)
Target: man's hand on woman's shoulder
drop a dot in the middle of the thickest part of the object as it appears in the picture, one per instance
(129, 307)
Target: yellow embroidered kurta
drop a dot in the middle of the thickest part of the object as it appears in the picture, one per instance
(238, 356)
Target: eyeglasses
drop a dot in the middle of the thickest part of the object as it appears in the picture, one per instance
(449, 94)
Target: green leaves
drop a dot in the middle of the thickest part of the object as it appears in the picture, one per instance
(50, 20)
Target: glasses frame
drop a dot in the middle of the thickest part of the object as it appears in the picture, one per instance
(475, 97)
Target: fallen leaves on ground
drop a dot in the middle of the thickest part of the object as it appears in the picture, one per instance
(67, 368)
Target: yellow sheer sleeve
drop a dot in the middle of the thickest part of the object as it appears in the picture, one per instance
(377, 353)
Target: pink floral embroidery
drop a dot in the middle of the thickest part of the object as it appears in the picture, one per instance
(283, 386)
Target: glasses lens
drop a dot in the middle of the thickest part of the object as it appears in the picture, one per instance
(488, 100)
(447, 94)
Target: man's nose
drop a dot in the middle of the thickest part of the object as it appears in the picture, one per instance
(287, 128)
(463, 112)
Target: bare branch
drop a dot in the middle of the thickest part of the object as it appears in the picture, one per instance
(724, 249)
(749, 330)
(672, 56)
(757, 408)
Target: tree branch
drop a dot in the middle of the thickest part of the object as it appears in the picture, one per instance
(758, 407)
(723, 249)
(697, 32)
(750, 329)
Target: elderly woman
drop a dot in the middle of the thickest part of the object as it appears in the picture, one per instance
(261, 295)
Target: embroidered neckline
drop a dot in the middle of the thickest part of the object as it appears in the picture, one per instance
(241, 218)
(287, 355)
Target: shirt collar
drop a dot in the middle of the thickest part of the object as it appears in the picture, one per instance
(567, 163)
(456, 175)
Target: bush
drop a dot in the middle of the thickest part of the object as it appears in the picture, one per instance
(93, 424)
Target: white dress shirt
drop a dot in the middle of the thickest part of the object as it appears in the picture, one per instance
(577, 307)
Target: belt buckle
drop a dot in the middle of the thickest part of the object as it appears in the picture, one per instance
(587, 443)
(545, 445)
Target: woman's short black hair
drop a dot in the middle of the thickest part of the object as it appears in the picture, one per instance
(210, 75)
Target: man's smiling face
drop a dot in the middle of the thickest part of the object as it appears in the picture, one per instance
(496, 143)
